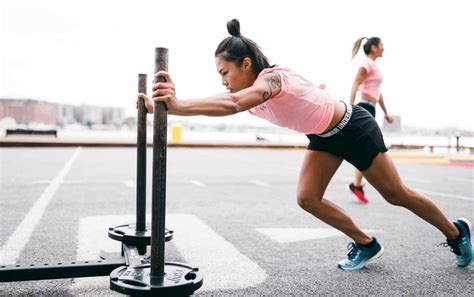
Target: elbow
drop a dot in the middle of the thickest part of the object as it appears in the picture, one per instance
(227, 111)
(234, 107)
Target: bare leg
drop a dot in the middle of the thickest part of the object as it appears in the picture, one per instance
(383, 175)
(316, 172)
(358, 178)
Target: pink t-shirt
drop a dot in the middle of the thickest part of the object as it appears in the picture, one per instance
(371, 84)
(300, 105)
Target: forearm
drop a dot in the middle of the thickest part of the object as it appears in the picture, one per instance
(382, 104)
(219, 105)
(361, 75)
(353, 95)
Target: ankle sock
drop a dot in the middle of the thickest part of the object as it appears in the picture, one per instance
(369, 245)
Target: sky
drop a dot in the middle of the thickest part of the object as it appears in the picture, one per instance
(92, 51)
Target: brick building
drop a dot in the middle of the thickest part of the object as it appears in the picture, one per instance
(29, 111)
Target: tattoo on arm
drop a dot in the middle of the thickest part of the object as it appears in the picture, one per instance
(274, 85)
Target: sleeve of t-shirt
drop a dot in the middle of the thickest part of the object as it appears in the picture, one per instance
(367, 66)
(283, 84)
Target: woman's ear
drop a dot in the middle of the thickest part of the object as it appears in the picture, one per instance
(247, 64)
(374, 48)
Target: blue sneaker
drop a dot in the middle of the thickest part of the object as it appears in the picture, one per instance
(462, 246)
(360, 255)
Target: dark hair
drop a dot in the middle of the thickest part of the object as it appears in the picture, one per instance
(237, 47)
(367, 46)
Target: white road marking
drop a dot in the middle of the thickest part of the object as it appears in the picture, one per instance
(12, 249)
(129, 183)
(41, 182)
(346, 179)
(222, 265)
(89, 245)
(259, 183)
(462, 180)
(64, 182)
(72, 182)
(286, 235)
(417, 180)
(198, 183)
(440, 194)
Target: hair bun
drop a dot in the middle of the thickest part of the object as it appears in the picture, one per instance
(233, 26)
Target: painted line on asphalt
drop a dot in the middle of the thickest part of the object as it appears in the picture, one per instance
(259, 183)
(198, 183)
(346, 179)
(222, 265)
(440, 194)
(41, 182)
(73, 182)
(461, 180)
(129, 183)
(64, 182)
(11, 251)
(417, 180)
(91, 240)
(287, 235)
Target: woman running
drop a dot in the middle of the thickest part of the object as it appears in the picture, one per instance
(368, 81)
(336, 132)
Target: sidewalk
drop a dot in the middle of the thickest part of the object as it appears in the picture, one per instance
(399, 153)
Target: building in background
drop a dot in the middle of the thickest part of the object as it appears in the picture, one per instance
(66, 115)
(88, 115)
(113, 116)
(31, 112)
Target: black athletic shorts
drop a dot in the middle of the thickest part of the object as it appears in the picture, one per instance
(369, 107)
(359, 142)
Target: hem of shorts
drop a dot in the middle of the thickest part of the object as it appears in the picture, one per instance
(372, 157)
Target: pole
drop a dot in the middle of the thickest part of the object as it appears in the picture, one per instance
(158, 208)
(141, 157)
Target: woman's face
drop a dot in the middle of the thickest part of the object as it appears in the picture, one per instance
(377, 50)
(234, 77)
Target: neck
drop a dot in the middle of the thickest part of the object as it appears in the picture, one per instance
(373, 57)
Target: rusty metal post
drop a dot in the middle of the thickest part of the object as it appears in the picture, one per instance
(158, 208)
(141, 157)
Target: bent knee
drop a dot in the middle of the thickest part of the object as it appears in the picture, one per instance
(308, 202)
(398, 196)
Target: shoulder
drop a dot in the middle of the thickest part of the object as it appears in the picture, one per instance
(270, 82)
(368, 65)
(272, 76)
(275, 69)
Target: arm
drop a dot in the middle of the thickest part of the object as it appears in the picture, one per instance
(360, 76)
(263, 89)
(388, 117)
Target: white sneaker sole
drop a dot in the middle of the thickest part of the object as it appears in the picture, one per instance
(375, 257)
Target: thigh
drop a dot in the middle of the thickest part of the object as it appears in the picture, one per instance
(316, 172)
(383, 176)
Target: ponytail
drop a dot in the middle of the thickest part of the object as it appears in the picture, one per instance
(356, 46)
